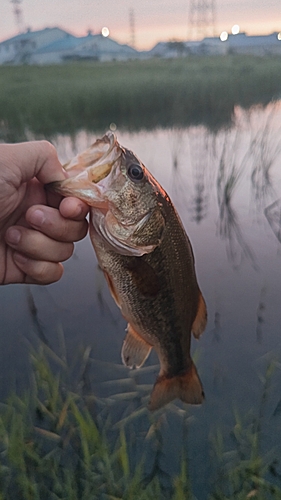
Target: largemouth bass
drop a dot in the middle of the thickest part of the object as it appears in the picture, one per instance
(148, 263)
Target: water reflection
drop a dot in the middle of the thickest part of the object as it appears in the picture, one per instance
(221, 190)
(229, 174)
(273, 215)
(261, 315)
(201, 160)
(264, 150)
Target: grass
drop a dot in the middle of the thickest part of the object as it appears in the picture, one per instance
(244, 470)
(53, 446)
(134, 95)
(57, 444)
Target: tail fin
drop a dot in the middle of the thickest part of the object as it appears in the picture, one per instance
(186, 387)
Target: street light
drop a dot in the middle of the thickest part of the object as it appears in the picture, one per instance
(224, 36)
(105, 31)
(235, 29)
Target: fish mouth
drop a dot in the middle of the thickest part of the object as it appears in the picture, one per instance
(86, 171)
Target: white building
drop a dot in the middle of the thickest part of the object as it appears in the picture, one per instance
(18, 49)
(55, 46)
(255, 45)
(232, 44)
(94, 47)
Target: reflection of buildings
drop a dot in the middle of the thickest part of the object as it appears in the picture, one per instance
(54, 46)
(200, 157)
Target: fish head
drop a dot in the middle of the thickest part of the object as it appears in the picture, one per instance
(111, 179)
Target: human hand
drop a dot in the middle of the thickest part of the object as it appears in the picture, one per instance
(37, 228)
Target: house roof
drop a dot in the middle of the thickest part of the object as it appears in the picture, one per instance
(241, 39)
(68, 43)
(27, 35)
(73, 43)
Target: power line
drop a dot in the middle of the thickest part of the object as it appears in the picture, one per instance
(202, 15)
(18, 14)
(132, 28)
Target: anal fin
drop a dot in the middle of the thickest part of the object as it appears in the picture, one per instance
(199, 324)
(135, 349)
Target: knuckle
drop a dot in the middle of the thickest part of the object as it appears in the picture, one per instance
(81, 230)
(48, 148)
(46, 272)
(68, 251)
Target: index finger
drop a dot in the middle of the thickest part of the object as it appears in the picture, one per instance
(73, 208)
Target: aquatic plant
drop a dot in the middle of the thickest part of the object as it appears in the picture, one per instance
(55, 445)
(244, 470)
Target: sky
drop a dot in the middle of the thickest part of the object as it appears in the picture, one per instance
(154, 20)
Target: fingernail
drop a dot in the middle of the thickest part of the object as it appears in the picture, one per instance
(20, 258)
(37, 218)
(13, 236)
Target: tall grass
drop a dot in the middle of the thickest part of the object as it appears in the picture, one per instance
(134, 95)
(54, 447)
(56, 444)
(244, 470)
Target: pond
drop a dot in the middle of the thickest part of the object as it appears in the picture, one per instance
(226, 187)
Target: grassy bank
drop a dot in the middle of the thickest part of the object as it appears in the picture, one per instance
(134, 95)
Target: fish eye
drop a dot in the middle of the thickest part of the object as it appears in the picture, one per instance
(135, 172)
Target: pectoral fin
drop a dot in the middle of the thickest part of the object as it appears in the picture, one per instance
(200, 321)
(135, 350)
(112, 289)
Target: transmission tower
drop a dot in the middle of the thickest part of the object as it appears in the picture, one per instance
(132, 28)
(201, 19)
(18, 14)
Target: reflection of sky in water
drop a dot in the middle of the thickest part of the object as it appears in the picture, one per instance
(220, 185)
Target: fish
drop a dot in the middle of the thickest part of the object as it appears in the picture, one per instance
(148, 262)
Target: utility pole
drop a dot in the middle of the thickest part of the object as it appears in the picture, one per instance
(201, 19)
(18, 15)
(132, 28)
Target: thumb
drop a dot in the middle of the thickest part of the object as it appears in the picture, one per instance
(31, 159)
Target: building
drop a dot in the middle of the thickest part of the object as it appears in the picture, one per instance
(18, 49)
(255, 45)
(56, 46)
(91, 47)
(231, 44)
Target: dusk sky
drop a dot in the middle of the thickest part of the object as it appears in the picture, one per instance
(155, 20)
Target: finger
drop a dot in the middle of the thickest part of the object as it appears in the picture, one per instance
(37, 245)
(73, 208)
(49, 221)
(37, 271)
(33, 159)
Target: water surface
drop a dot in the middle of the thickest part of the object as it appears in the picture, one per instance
(221, 185)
